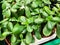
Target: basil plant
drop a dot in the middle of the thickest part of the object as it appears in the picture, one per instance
(24, 19)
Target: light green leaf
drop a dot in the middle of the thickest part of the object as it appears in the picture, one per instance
(37, 34)
(47, 30)
(28, 38)
(27, 11)
(7, 13)
(13, 39)
(46, 1)
(10, 26)
(38, 20)
(6, 33)
(23, 43)
(58, 30)
(17, 28)
(29, 28)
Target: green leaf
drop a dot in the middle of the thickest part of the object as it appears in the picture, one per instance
(34, 4)
(23, 43)
(10, 26)
(46, 1)
(7, 13)
(30, 20)
(28, 38)
(13, 39)
(58, 30)
(22, 19)
(6, 33)
(47, 9)
(5, 5)
(38, 35)
(17, 28)
(13, 10)
(9, 0)
(21, 36)
(38, 20)
(29, 28)
(28, 1)
(56, 19)
(27, 11)
(47, 30)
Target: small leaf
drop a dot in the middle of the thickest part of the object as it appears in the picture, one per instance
(27, 11)
(29, 28)
(30, 20)
(48, 10)
(23, 43)
(22, 19)
(47, 30)
(13, 39)
(28, 38)
(9, 0)
(17, 28)
(37, 34)
(7, 13)
(21, 36)
(58, 30)
(46, 1)
(38, 20)
(34, 4)
(10, 26)
(6, 33)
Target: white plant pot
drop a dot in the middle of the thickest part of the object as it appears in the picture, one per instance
(43, 40)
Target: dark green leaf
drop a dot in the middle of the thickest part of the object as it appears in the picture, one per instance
(58, 30)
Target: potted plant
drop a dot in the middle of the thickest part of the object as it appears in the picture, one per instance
(22, 19)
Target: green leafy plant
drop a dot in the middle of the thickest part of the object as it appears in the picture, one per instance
(22, 19)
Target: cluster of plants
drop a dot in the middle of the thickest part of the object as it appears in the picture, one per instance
(24, 19)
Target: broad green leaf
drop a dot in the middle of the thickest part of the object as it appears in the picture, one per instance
(7, 13)
(4, 20)
(47, 30)
(10, 26)
(29, 28)
(9, 0)
(37, 34)
(46, 1)
(30, 20)
(38, 20)
(21, 36)
(58, 30)
(56, 19)
(22, 19)
(43, 13)
(34, 4)
(27, 12)
(6, 33)
(51, 25)
(28, 38)
(35, 27)
(23, 43)
(13, 10)
(47, 9)
(28, 1)
(5, 5)
(17, 28)
(4, 24)
(2, 38)
(13, 39)
(13, 19)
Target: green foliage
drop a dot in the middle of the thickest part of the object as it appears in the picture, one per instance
(24, 18)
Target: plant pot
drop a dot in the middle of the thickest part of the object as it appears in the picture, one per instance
(43, 40)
